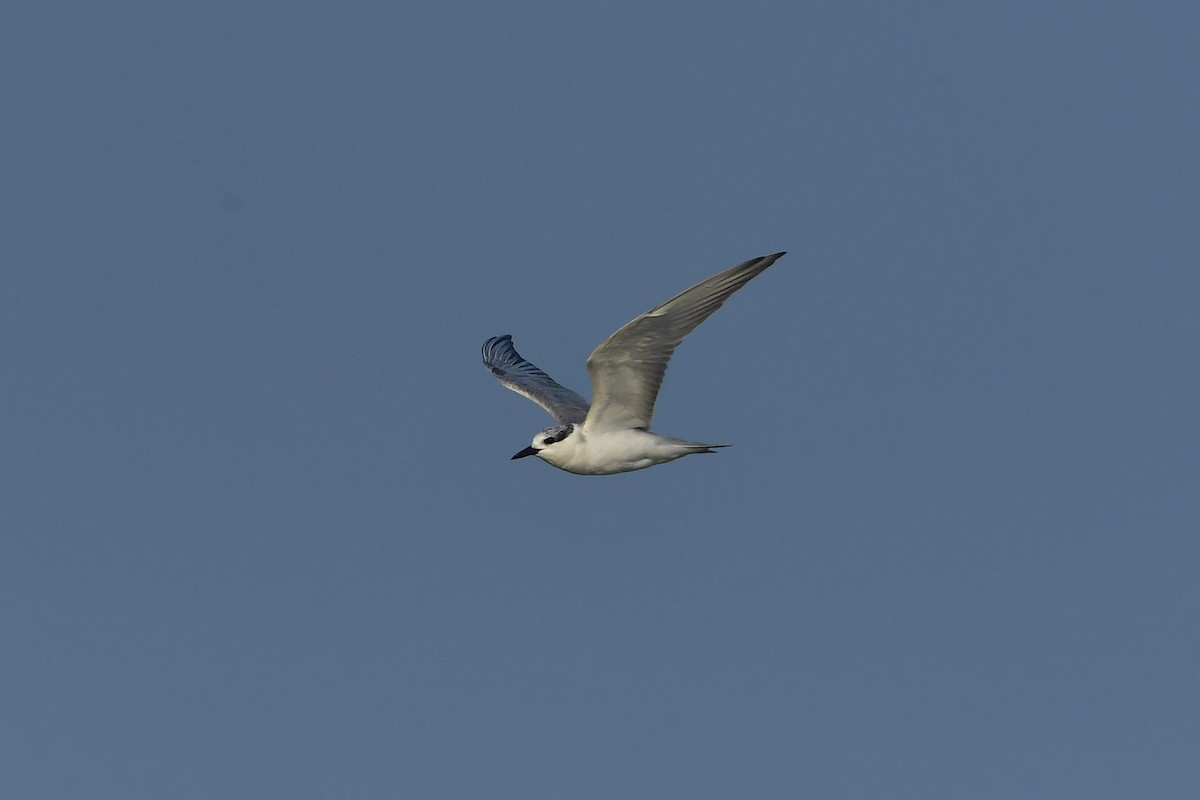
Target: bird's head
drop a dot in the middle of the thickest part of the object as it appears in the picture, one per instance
(546, 443)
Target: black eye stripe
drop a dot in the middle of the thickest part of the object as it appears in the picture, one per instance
(557, 437)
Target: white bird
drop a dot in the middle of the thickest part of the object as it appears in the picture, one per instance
(613, 433)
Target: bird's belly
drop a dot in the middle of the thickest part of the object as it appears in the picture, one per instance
(613, 453)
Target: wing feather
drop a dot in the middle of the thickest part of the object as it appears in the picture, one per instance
(503, 361)
(628, 368)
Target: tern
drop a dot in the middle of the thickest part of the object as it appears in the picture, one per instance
(613, 434)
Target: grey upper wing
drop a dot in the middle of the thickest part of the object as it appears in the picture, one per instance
(503, 360)
(627, 369)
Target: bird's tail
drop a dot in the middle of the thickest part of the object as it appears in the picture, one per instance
(696, 447)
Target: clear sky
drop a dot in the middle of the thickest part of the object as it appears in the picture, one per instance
(261, 536)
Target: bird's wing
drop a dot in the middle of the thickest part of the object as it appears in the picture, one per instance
(627, 369)
(503, 360)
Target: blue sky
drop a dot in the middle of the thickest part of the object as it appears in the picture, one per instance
(261, 536)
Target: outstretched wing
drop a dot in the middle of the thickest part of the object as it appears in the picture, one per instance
(503, 360)
(627, 369)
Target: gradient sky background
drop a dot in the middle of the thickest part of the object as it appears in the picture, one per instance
(261, 536)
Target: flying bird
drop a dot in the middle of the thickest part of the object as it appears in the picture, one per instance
(613, 434)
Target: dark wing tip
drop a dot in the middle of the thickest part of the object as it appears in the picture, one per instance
(495, 340)
(492, 344)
